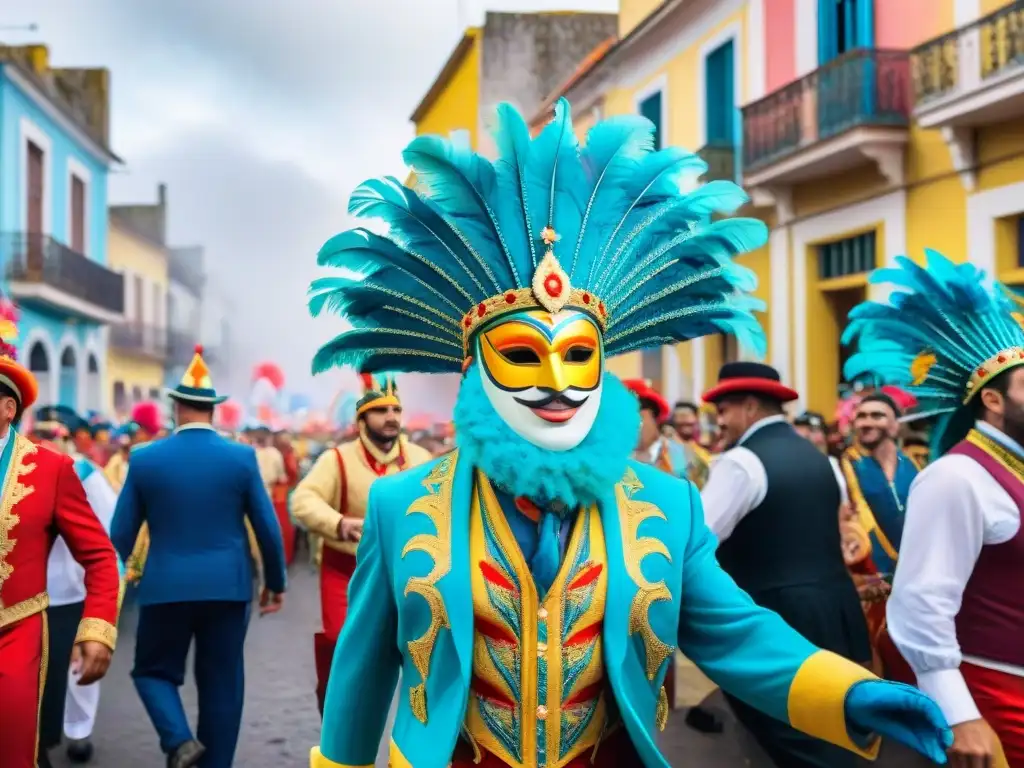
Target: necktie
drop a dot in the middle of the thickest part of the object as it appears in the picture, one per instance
(548, 557)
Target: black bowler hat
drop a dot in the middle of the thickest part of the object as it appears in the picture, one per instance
(750, 378)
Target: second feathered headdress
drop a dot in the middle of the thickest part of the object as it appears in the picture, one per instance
(604, 229)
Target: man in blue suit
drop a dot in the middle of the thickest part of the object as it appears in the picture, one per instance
(196, 491)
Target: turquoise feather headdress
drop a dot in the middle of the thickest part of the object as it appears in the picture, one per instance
(604, 229)
(943, 334)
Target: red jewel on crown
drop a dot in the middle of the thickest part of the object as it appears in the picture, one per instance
(553, 285)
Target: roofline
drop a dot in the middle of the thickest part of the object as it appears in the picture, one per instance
(591, 60)
(621, 48)
(124, 227)
(58, 113)
(455, 58)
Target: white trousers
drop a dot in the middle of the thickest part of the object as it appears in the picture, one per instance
(80, 707)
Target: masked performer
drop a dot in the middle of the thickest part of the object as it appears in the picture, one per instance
(42, 498)
(331, 501)
(956, 611)
(533, 585)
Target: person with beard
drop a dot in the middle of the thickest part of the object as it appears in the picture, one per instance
(69, 709)
(878, 475)
(532, 586)
(773, 501)
(331, 502)
(42, 499)
(203, 498)
(956, 612)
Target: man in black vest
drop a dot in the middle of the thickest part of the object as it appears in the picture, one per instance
(772, 499)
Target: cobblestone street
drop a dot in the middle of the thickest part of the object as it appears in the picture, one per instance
(281, 722)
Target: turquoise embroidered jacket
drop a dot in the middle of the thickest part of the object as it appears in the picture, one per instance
(411, 610)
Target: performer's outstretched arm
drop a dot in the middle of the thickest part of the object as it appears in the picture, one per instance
(756, 656)
(366, 662)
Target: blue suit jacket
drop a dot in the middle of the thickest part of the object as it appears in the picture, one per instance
(195, 489)
(410, 599)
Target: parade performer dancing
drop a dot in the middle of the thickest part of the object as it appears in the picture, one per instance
(331, 502)
(41, 498)
(956, 610)
(533, 584)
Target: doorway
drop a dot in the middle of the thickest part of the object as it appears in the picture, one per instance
(840, 302)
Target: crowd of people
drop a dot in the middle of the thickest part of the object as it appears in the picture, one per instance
(519, 599)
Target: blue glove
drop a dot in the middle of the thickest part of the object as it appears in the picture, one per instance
(899, 712)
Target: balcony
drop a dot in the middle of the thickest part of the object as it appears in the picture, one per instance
(970, 77)
(721, 160)
(141, 340)
(853, 111)
(41, 271)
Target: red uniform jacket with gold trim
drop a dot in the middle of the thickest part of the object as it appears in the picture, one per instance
(42, 497)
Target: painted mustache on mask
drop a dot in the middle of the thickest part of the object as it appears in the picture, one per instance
(554, 399)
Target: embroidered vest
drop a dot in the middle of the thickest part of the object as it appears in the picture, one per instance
(990, 623)
(537, 694)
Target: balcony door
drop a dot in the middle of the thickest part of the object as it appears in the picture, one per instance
(34, 188)
(846, 88)
(721, 118)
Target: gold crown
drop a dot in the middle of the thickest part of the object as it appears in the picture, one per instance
(988, 370)
(550, 290)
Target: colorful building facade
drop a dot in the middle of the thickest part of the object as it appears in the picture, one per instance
(138, 345)
(861, 129)
(54, 161)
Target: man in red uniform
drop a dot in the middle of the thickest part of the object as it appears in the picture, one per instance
(42, 495)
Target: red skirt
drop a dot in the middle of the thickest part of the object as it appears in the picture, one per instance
(287, 530)
(1000, 698)
(617, 751)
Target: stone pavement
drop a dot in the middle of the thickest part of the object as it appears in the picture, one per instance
(281, 722)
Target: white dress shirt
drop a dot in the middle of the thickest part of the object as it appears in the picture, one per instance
(954, 509)
(65, 578)
(737, 484)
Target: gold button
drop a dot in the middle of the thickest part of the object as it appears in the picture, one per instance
(542, 648)
(542, 712)
(542, 613)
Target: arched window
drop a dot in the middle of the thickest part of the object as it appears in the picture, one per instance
(68, 392)
(38, 361)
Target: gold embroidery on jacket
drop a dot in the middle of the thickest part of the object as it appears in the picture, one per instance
(633, 512)
(437, 506)
(13, 492)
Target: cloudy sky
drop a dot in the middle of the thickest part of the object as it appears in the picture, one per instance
(261, 116)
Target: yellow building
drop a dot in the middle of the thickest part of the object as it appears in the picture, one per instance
(137, 349)
(859, 137)
(683, 65)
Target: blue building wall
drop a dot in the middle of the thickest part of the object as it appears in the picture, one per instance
(53, 331)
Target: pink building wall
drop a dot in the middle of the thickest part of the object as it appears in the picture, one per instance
(780, 42)
(905, 24)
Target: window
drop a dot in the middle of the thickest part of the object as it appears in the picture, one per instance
(720, 96)
(1020, 241)
(844, 25)
(35, 183)
(158, 305)
(120, 397)
(154, 393)
(139, 315)
(650, 366)
(136, 394)
(77, 233)
(650, 108)
(849, 256)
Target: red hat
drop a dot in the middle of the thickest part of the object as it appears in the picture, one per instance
(647, 394)
(747, 378)
(12, 373)
(147, 415)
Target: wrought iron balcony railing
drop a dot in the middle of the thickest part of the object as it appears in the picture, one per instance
(139, 339)
(39, 259)
(861, 88)
(970, 56)
(721, 160)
